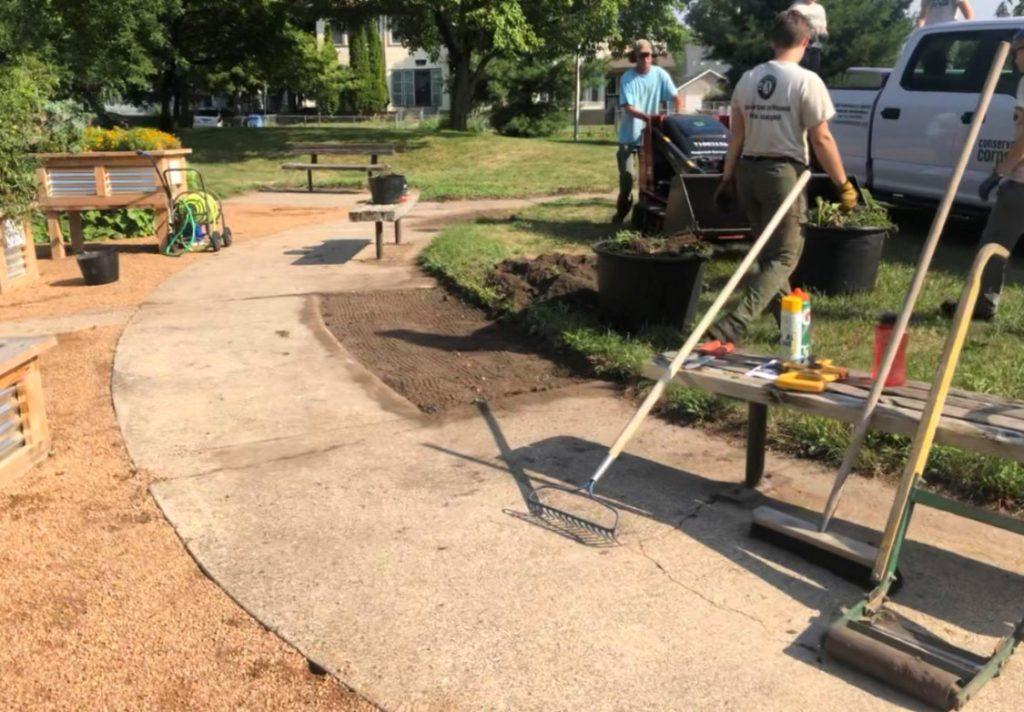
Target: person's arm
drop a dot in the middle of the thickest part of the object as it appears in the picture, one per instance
(679, 103)
(737, 127)
(635, 112)
(1015, 156)
(966, 9)
(923, 15)
(827, 151)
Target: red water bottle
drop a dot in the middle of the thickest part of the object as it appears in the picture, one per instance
(883, 332)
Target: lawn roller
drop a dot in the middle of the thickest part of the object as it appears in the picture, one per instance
(196, 217)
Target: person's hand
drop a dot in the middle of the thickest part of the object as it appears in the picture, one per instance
(847, 196)
(989, 184)
(725, 195)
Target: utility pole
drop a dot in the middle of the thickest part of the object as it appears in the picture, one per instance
(576, 102)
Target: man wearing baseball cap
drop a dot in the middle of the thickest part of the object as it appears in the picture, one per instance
(776, 107)
(641, 93)
(1006, 221)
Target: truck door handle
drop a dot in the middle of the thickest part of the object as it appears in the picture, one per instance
(890, 113)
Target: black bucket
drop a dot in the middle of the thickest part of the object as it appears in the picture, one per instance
(637, 290)
(387, 189)
(839, 260)
(99, 267)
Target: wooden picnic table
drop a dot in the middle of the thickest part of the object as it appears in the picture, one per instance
(378, 214)
(315, 150)
(979, 422)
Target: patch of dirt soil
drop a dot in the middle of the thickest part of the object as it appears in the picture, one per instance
(556, 276)
(439, 352)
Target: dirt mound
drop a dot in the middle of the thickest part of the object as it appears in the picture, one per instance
(556, 276)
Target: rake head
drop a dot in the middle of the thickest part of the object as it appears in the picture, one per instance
(550, 506)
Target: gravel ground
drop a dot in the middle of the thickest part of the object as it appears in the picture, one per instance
(100, 606)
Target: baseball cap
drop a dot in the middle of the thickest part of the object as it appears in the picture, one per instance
(641, 46)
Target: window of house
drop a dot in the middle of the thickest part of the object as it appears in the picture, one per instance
(393, 39)
(339, 37)
(417, 88)
(957, 62)
(592, 93)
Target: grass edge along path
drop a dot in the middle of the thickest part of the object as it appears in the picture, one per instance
(462, 256)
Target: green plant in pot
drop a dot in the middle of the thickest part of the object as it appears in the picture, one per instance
(650, 279)
(842, 251)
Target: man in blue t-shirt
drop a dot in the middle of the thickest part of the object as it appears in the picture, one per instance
(641, 93)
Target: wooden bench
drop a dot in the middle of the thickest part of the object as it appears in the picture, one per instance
(315, 150)
(380, 214)
(104, 180)
(982, 423)
(24, 431)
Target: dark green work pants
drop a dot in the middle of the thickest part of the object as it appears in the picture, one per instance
(762, 186)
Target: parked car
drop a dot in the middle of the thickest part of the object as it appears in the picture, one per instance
(207, 118)
(900, 130)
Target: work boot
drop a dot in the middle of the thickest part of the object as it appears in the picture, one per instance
(981, 313)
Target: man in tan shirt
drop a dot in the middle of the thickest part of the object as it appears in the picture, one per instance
(775, 107)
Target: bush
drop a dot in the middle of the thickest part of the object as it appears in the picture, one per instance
(529, 125)
(103, 224)
(137, 139)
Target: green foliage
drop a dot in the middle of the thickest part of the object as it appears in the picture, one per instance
(367, 92)
(861, 32)
(530, 97)
(870, 215)
(693, 406)
(103, 224)
(313, 71)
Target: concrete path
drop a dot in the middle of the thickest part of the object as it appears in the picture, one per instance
(391, 548)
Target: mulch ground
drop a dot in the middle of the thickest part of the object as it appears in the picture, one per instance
(439, 352)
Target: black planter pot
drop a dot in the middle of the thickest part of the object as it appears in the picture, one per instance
(839, 260)
(387, 189)
(99, 267)
(637, 290)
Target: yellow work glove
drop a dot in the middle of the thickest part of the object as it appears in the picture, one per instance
(847, 196)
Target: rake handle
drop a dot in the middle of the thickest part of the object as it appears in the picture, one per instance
(924, 262)
(698, 331)
(929, 422)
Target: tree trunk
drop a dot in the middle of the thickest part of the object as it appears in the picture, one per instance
(576, 103)
(463, 84)
(164, 91)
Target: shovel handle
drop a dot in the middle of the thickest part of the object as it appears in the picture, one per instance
(702, 326)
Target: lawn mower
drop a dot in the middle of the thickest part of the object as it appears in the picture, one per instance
(195, 216)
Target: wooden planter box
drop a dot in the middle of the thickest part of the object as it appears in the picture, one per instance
(24, 432)
(103, 180)
(17, 255)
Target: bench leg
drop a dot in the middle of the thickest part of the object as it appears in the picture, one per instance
(757, 432)
(309, 174)
(398, 231)
(56, 236)
(378, 229)
(77, 236)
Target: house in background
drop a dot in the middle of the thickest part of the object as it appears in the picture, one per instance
(415, 81)
(696, 89)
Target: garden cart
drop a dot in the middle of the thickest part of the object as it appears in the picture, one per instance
(195, 215)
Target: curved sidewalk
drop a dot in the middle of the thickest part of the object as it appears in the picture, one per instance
(385, 545)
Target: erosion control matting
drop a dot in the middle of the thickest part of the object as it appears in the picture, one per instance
(439, 352)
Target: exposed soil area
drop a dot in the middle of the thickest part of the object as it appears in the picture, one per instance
(672, 246)
(555, 276)
(439, 352)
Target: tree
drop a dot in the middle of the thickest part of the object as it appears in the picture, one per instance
(368, 90)
(1009, 8)
(861, 32)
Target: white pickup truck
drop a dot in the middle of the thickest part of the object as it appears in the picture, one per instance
(900, 130)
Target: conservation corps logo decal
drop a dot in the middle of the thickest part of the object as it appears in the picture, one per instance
(766, 87)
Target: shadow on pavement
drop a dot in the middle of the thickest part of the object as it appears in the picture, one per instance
(983, 601)
(330, 252)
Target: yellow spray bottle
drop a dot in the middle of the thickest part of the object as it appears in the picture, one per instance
(795, 325)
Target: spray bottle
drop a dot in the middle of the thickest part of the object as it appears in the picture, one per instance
(795, 323)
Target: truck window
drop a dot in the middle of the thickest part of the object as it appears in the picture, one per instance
(957, 62)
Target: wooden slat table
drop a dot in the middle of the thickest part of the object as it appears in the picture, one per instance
(982, 423)
(380, 214)
(315, 150)
(24, 432)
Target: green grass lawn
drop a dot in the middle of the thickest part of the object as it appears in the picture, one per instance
(843, 330)
(441, 164)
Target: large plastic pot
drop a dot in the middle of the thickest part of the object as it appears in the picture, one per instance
(387, 189)
(637, 290)
(100, 267)
(839, 260)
